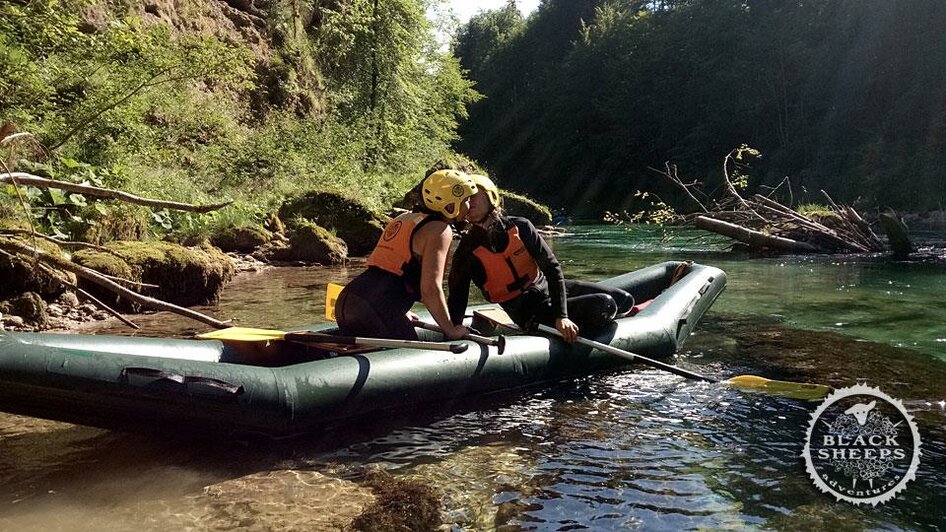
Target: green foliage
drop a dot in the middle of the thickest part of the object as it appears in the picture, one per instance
(841, 95)
(654, 211)
(357, 98)
(91, 89)
(480, 39)
(809, 209)
(389, 82)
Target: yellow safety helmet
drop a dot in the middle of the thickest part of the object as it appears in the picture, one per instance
(487, 184)
(444, 190)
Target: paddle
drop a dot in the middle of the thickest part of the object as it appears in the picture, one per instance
(332, 291)
(499, 342)
(247, 334)
(797, 390)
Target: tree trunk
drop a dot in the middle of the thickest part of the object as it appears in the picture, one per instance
(753, 238)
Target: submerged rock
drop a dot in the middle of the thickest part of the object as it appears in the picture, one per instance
(825, 357)
(399, 505)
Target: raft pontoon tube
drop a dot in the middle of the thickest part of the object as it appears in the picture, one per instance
(281, 388)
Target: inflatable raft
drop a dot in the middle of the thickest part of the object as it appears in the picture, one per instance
(282, 388)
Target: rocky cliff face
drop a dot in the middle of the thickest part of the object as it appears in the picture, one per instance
(274, 30)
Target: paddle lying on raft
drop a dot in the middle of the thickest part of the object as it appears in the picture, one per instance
(248, 334)
(331, 297)
(798, 390)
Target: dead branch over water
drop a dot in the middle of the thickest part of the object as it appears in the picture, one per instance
(763, 223)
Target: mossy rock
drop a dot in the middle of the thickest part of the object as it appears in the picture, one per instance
(185, 276)
(353, 222)
(241, 239)
(274, 224)
(120, 222)
(20, 276)
(28, 306)
(309, 242)
(517, 205)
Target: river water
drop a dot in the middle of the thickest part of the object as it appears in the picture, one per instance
(632, 449)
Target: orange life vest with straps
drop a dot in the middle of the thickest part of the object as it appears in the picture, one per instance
(393, 251)
(509, 271)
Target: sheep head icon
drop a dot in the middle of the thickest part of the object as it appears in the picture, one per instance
(862, 446)
(860, 411)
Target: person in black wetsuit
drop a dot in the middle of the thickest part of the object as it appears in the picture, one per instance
(407, 265)
(507, 259)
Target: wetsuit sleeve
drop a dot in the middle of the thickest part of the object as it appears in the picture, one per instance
(458, 281)
(547, 262)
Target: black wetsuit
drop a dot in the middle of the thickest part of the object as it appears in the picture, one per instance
(550, 296)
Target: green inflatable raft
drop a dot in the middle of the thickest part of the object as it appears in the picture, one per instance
(283, 388)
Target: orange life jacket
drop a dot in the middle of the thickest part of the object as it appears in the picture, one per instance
(508, 272)
(393, 251)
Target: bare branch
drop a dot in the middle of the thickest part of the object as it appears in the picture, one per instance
(731, 189)
(20, 198)
(99, 279)
(63, 243)
(106, 308)
(670, 173)
(55, 273)
(751, 237)
(23, 178)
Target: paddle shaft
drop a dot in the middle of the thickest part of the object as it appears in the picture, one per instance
(311, 337)
(750, 382)
(630, 356)
(499, 343)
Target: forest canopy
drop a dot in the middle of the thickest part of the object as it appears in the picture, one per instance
(584, 96)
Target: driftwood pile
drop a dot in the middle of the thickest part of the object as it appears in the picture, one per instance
(764, 224)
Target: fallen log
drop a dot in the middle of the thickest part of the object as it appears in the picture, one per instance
(755, 239)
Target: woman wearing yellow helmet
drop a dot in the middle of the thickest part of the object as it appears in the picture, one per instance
(407, 265)
(507, 259)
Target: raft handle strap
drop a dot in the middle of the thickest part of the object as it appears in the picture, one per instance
(234, 389)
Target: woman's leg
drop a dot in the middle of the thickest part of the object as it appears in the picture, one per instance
(358, 316)
(591, 312)
(623, 300)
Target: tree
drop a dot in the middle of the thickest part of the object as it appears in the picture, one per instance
(477, 41)
(389, 79)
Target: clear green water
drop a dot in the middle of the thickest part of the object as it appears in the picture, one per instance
(867, 297)
(633, 449)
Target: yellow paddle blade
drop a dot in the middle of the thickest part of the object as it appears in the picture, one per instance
(331, 296)
(244, 334)
(795, 390)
